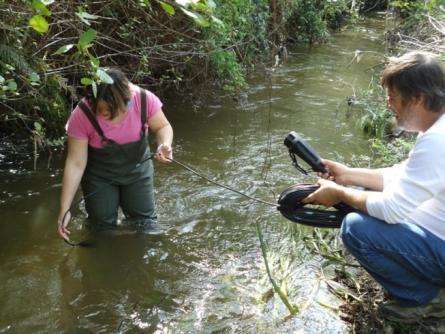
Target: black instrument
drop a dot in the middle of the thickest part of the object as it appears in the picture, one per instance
(290, 202)
(298, 146)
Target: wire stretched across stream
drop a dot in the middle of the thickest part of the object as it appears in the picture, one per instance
(289, 204)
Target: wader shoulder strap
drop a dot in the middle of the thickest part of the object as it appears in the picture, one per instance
(143, 107)
(92, 119)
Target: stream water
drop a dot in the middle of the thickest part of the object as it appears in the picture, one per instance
(202, 269)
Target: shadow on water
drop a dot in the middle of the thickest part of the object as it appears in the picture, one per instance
(202, 271)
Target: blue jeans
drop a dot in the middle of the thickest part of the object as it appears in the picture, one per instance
(407, 260)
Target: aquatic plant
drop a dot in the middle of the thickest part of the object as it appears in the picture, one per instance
(293, 309)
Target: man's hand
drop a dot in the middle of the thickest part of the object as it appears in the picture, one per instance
(328, 194)
(337, 172)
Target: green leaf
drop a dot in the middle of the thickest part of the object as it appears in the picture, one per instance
(197, 18)
(189, 13)
(40, 7)
(37, 126)
(201, 6)
(202, 21)
(94, 85)
(87, 37)
(104, 77)
(39, 24)
(89, 16)
(217, 21)
(86, 81)
(145, 3)
(34, 77)
(63, 49)
(12, 85)
(9, 67)
(211, 4)
(48, 2)
(184, 3)
(85, 17)
(167, 8)
(2, 80)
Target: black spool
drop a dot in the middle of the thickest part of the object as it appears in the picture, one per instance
(290, 205)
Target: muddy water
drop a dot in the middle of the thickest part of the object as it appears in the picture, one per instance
(201, 270)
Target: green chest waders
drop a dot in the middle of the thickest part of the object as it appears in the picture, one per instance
(119, 178)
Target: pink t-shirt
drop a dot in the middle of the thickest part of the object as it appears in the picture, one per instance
(127, 130)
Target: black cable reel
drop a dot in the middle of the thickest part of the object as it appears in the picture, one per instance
(290, 200)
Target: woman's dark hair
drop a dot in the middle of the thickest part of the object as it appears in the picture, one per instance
(415, 74)
(116, 95)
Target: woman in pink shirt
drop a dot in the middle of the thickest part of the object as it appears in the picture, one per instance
(108, 154)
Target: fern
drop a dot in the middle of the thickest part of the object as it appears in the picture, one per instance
(9, 55)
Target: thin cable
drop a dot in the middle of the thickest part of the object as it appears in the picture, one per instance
(220, 184)
(289, 204)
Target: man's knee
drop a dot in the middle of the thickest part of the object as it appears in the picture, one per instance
(358, 229)
(351, 229)
(363, 231)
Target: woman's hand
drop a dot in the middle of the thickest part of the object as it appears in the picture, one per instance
(329, 194)
(164, 136)
(62, 223)
(164, 153)
(337, 172)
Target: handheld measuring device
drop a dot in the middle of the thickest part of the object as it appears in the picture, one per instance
(299, 147)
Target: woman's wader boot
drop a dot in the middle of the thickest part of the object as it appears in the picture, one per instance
(119, 174)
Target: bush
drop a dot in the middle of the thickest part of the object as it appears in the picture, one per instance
(49, 49)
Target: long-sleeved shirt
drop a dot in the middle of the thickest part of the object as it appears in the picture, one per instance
(414, 191)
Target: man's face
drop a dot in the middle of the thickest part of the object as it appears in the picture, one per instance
(405, 113)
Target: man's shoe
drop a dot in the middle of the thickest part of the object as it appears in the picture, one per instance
(435, 309)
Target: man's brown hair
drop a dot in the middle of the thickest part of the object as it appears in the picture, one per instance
(416, 74)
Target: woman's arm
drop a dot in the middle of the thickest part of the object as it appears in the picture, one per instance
(75, 164)
(163, 133)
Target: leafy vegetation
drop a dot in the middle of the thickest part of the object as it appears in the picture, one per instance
(376, 121)
(389, 153)
(50, 50)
